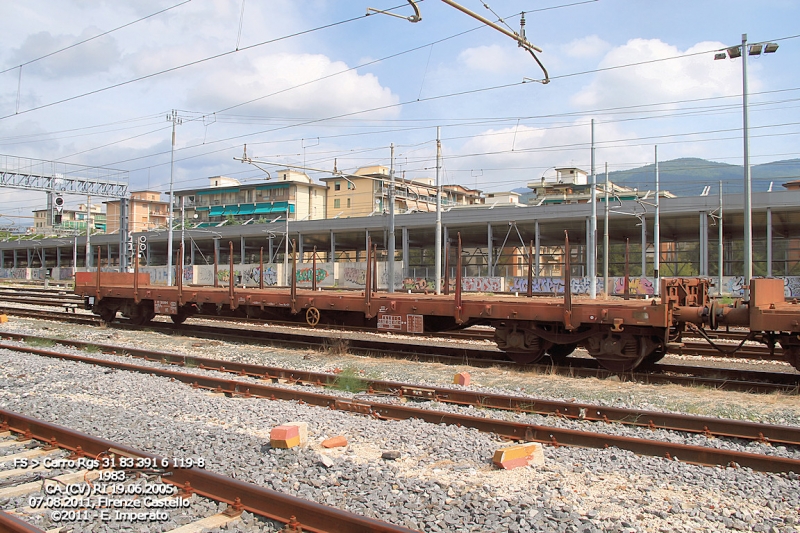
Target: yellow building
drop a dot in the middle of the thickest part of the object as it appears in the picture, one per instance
(146, 212)
(366, 192)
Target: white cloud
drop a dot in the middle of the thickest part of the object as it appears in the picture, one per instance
(586, 47)
(493, 58)
(270, 74)
(97, 55)
(519, 155)
(656, 78)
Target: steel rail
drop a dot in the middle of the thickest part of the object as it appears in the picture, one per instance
(511, 430)
(709, 426)
(312, 516)
(723, 379)
(12, 524)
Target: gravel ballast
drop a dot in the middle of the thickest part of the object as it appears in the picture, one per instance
(441, 478)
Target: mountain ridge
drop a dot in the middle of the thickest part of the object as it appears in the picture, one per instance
(688, 176)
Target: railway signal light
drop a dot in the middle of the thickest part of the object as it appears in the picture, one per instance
(58, 209)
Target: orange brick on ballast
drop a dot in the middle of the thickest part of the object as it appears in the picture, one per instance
(335, 442)
(462, 378)
(302, 428)
(510, 457)
(284, 437)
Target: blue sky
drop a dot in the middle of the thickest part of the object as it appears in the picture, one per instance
(309, 86)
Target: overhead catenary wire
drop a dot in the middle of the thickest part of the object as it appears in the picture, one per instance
(269, 141)
(103, 34)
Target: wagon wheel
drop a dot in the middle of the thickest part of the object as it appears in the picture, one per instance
(559, 352)
(526, 357)
(792, 355)
(635, 349)
(107, 315)
(312, 316)
(654, 357)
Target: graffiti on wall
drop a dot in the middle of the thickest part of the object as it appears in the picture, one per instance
(481, 284)
(354, 276)
(538, 285)
(323, 275)
(63, 273)
(247, 275)
(642, 286)
(14, 273)
(733, 285)
(470, 284)
(579, 285)
(791, 286)
(418, 284)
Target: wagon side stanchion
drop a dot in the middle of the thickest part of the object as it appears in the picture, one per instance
(179, 276)
(97, 296)
(627, 273)
(231, 279)
(447, 268)
(294, 279)
(216, 268)
(314, 270)
(261, 268)
(458, 304)
(368, 280)
(530, 270)
(375, 268)
(567, 285)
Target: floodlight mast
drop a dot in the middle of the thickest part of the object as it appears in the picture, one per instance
(519, 37)
(743, 51)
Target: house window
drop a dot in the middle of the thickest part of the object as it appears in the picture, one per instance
(348, 203)
(337, 186)
(337, 204)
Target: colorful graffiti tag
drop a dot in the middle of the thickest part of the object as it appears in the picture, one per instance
(323, 275)
(479, 284)
(635, 286)
(355, 275)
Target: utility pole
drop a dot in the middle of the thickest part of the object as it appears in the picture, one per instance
(438, 240)
(657, 236)
(605, 240)
(183, 231)
(748, 206)
(390, 272)
(286, 251)
(720, 260)
(88, 234)
(175, 119)
(591, 256)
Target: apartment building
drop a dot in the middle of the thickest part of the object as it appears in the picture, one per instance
(226, 201)
(146, 212)
(366, 192)
(72, 220)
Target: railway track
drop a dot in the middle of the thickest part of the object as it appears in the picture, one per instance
(60, 478)
(684, 374)
(585, 412)
(552, 435)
